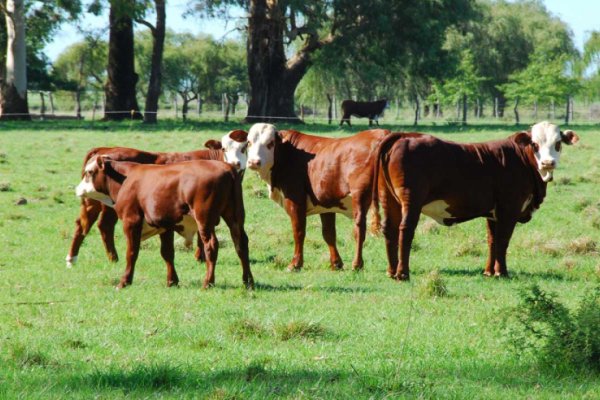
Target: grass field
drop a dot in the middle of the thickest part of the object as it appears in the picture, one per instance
(66, 333)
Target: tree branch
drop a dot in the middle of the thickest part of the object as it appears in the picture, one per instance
(147, 24)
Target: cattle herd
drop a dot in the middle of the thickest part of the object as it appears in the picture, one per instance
(405, 174)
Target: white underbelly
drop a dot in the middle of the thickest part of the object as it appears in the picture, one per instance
(438, 210)
(186, 228)
(346, 204)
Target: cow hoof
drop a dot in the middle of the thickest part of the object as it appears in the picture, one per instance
(501, 275)
(173, 284)
(390, 274)
(358, 267)
(71, 261)
(294, 268)
(488, 274)
(207, 286)
(337, 265)
(402, 277)
(113, 257)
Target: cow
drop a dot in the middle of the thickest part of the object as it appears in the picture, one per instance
(308, 175)
(231, 149)
(503, 181)
(363, 109)
(186, 197)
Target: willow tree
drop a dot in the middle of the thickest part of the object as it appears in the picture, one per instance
(284, 35)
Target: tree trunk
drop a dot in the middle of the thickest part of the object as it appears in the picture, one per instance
(158, 44)
(78, 103)
(227, 107)
(417, 110)
(121, 102)
(43, 105)
(516, 110)
(273, 78)
(13, 85)
(51, 99)
(568, 113)
(329, 108)
(465, 109)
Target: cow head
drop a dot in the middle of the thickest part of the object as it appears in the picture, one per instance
(547, 140)
(261, 148)
(234, 146)
(94, 184)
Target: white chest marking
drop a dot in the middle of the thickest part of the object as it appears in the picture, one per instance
(437, 210)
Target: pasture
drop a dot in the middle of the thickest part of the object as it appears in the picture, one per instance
(66, 333)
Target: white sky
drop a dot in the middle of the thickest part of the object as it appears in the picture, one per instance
(583, 16)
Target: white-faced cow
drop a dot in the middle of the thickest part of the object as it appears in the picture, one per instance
(309, 175)
(503, 181)
(363, 109)
(185, 197)
(231, 149)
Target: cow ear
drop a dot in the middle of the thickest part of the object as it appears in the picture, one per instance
(569, 137)
(238, 135)
(522, 138)
(213, 144)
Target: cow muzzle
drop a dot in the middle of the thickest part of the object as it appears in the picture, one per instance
(254, 164)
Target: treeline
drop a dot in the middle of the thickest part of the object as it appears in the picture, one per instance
(443, 56)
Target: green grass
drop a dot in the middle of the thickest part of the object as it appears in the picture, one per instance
(315, 334)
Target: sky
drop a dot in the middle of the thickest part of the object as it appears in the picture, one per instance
(583, 16)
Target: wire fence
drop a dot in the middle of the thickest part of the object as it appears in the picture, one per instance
(63, 105)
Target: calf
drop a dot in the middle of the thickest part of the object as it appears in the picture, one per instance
(363, 109)
(185, 197)
(309, 175)
(231, 149)
(503, 181)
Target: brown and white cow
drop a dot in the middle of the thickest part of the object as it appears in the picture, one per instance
(309, 175)
(231, 149)
(363, 109)
(503, 181)
(185, 197)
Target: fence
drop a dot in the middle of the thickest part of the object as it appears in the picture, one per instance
(63, 105)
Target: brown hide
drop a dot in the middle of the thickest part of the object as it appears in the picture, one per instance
(325, 171)
(497, 180)
(162, 195)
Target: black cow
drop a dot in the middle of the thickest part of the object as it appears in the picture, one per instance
(363, 109)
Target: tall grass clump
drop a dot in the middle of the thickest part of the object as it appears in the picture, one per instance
(561, 339)
(434, 285)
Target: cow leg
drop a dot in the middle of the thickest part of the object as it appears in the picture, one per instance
(408, 224)
(392, 215)
(106, 225)
(167, 251)
(329, 234)
(297, 213)
(133, 235)
(88, 214)
(491, 261)
(504, 230)
(211, 250)
(360, 206)
(240, 241)
(199, 254)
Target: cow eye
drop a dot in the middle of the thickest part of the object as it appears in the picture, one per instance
(270, 145)
(536, 147)
(557, 146)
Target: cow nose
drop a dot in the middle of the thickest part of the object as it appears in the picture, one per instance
(548, 163)
(253, 164)
(237, 165)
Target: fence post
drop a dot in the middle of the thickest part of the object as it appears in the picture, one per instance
(51, 103)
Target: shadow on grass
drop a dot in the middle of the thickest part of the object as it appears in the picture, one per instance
(264, 381)
(513, 275)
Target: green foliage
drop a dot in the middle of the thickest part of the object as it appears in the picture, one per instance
(544, 80)
(81, 65)
(434, 285)
(560, 339)
(466, 82)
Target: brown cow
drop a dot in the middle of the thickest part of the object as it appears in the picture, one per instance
(185, 197)
(309, 175)
(503, 181)
(231, 149)
(363, 109)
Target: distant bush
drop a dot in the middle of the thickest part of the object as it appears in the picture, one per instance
(561, 339)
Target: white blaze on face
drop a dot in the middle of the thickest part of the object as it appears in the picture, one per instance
(547, 142)
(235, 153)
(86, 187)
(261, 149)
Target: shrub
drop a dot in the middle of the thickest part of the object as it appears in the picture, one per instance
(561, 339)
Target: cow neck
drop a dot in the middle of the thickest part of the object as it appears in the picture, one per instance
(539, 186)
(117, 173)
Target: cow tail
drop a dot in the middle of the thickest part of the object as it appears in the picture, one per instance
(380, 162)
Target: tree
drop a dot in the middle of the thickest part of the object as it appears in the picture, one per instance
(120, 88)
(398, 28)
(158, 40)
(23, 58)
(544, 80)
